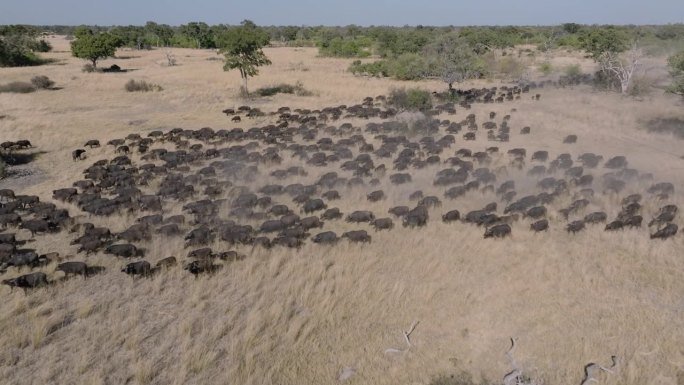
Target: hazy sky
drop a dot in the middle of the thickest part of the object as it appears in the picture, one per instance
(329, 12)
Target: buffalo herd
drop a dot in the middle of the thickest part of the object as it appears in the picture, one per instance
(232, 188)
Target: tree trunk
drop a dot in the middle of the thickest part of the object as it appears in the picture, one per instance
(94, 62)
(624, 86)
(244, 84)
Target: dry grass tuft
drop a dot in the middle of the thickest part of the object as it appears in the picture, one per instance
(141, 86)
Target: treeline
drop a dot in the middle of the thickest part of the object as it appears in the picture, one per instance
(357, 41)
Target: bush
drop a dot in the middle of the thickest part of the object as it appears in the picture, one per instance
(339, 47)
(572, 75)
(297, 89)
(546, 68)
(17, 88)
(573, 70)
(409, 66)
(42, 82)
(88, 68)
(676, 64)
(640, 86)
(674, 126)
(141, 86)
(510, 68)
(413, 99)
(606, 81)
(42, 46)
(378, 68)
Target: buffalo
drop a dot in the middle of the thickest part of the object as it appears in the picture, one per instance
(27, 281)
(141, 268)
(76, 268)
(498, 231)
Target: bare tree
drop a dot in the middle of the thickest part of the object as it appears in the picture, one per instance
(622, 67)
(170, 57)
(550, 42)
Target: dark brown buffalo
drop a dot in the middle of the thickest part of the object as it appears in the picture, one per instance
(125, 250)
(78, 154)
(138, 268)
(27, 281)
(666, 232)
(76, 268)
(498, 231)
(326, 237)
(541, 225)
(202, 266)
(382, 224)
(357, 236)
(575, 226)
(166, 262)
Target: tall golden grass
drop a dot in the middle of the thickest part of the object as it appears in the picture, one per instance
(302, 316)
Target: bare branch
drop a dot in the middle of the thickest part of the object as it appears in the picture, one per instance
(407, 334)
(407, 338)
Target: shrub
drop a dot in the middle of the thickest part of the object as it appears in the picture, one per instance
(413, 99)
(283, 88)
(674, 126)
(339, 47)
(510, 68)
(546, 68)
(573, 71)
(409, 66)
(378, 68)
(42, 46)
(42, 82)
(676, 64)
(141, 86)
(88, 68)
(640, 86)
(606, 81)
(17, 88)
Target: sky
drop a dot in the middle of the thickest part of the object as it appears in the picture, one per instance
(329, 12)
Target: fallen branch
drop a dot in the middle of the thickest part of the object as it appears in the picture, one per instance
(514, 376)
(407, 338)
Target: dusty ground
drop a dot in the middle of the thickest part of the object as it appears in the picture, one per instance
(301, 317)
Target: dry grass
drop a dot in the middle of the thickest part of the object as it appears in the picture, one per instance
(300, 317)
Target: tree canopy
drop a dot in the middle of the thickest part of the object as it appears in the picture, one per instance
(242, 49)
(93, 47)
(599, 41)
(456, 60)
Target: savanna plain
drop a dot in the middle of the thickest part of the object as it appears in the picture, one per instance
(332, 313)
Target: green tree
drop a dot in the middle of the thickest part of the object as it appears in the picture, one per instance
(571, 28)
(456, 60)
(161, 34)
(198, 32)
(93, 47)
(676, 64)
(242, 50)
(604, 40)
